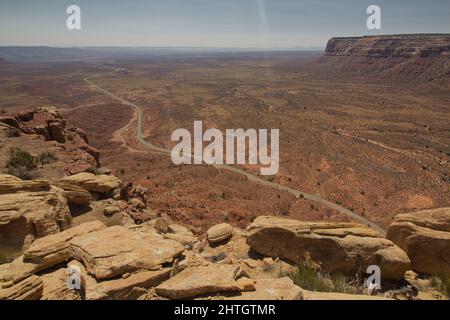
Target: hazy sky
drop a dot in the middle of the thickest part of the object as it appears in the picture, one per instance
(212, 23)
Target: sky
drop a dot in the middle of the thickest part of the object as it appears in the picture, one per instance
(212, 23)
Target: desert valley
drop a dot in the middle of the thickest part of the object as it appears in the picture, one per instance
(364, 176)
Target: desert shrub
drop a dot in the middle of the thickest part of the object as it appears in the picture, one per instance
(23, 165)
(309, 277)
(19, 158)
(47, 157)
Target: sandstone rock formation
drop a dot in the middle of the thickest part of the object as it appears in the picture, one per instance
(92, 182)
(29, 210)
(413, 58)
(390, 46)
(29, 289)
(346, 247)
(45, 129)
(425, 237)
(114, 251)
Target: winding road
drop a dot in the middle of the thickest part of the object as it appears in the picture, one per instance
(251, 177)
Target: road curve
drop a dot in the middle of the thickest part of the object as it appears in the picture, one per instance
(251, 177)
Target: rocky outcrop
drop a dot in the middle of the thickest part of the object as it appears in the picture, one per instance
(92, 182)
(117, 250)
(119, 289)
(74, 194)
(54, 249)
(338, 247)
(425, 237)
(391, 46)
(29, 210)
(66, 141)
(414, 58)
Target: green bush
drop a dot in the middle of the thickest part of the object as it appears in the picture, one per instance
(20, 159)
(23, 165)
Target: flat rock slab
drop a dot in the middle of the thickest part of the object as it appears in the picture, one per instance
(117, 250)
(95, 183)
(271, 289)
(338, 247)
(55, 247)
(425, 237)
(197, 281)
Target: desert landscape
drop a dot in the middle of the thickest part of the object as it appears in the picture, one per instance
(364, 173)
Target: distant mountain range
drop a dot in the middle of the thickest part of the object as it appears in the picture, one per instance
(33, 54)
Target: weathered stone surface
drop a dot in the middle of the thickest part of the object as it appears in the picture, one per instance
(55, 286)
(28, 289)
(34, 211)
(119, 289)
(271, 289)
(74, 194)
(196, 281)
(54, 249)
(91, 182)
(11, 184)
(425, 237)
(338, 247)
(18, 270)
(114, 251)
(219, 232)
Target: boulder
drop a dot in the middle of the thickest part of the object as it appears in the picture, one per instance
(346, 248)
(219, 233)
(117, 250)
(271, 289)
(202, 280)
(28, 289)
(94, 183)
(425, 237)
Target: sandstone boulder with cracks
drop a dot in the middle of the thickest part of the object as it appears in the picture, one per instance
(347, 248)
(117, 250)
